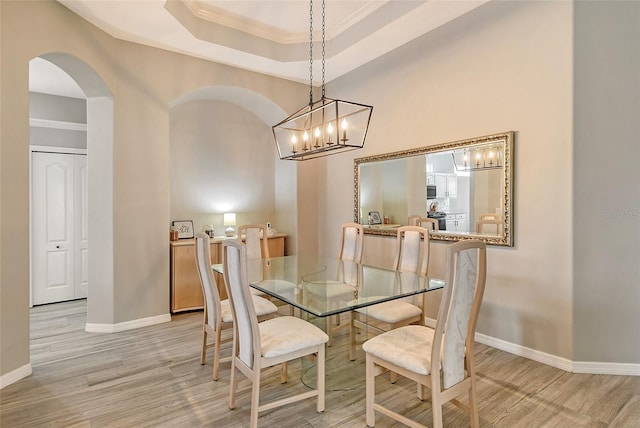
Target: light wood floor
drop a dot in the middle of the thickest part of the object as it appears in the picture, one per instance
(152, 377)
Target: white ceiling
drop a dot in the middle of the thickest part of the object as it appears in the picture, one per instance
(267, 36)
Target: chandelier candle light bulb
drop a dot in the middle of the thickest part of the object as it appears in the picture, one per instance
(344, 130)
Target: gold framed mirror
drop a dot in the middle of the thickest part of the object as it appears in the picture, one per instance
(461, 190)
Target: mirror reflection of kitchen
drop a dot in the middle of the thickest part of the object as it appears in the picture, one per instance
(463, 190)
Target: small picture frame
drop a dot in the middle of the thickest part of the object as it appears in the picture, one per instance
(184, 228)
(375, 217)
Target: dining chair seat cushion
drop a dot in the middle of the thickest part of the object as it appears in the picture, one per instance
(331, 289)
(256, 292)
(407, 347)
(278, 285)
(263, 307)
(284, 335)
(392, 311)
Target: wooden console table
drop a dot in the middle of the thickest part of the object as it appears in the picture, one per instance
(186, 291)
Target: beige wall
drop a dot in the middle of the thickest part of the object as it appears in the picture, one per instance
(505, 66)
(218, 152)
(143, 82)
(607, 182)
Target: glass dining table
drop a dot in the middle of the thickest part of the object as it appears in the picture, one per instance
(324, 286)
(321, 287)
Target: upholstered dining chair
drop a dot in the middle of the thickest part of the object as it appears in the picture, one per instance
(412, 220)
(412, 255)
(351, 242)
(428, 223)
(351, 248)
(441, 359)
(257, 244)
(256, 240)
(255, 236)
(217, 313)
(261, 345)
(489, 219)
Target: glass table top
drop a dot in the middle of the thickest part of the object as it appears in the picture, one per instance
(325, 286)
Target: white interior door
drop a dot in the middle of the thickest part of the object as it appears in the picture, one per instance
(59, 243)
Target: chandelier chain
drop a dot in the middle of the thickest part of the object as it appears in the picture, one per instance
(323, 45)
(311, 51)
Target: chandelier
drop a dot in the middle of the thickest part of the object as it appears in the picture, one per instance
(479, 157)
(325, 126)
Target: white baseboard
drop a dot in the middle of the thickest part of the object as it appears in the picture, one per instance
(15, 375)
(523, 351)
(127, 325)
(585, 367)
(430, 322)
(623, 369)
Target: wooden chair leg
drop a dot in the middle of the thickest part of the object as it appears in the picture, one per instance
(352, 336)
(203, 353)
(420, 391)
(436, 401)
(329, 330)
(255, 398)
(393, 377)
(216, 355)
(321, 378)
(370, 391)
(473, 405)
(233, 383)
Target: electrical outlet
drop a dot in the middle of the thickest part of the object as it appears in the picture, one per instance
(268, 225)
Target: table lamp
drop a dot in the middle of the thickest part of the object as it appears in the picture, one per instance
(229, 221)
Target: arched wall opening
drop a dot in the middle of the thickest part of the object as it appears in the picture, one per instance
(259, 113)
(100, 302)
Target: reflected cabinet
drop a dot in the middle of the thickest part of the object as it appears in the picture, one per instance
(466, 185)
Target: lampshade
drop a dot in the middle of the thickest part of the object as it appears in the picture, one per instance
(229, 219)
(325, 126)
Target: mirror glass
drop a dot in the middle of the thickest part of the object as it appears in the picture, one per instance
(460, 190)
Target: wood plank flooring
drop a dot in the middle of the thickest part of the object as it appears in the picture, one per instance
(152, 377)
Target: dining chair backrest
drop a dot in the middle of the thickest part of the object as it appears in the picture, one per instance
(428, 223)
(412, 220)
(209, 290)
(247, 337)
(492, 219)
(256, 240)
(490, 216)
(351, 242)
(412, 250)
(458, 314)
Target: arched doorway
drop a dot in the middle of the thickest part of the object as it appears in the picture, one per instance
(99, 147)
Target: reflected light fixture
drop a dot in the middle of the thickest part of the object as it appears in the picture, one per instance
(325, 126)
(479, 157)
(229, 221)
